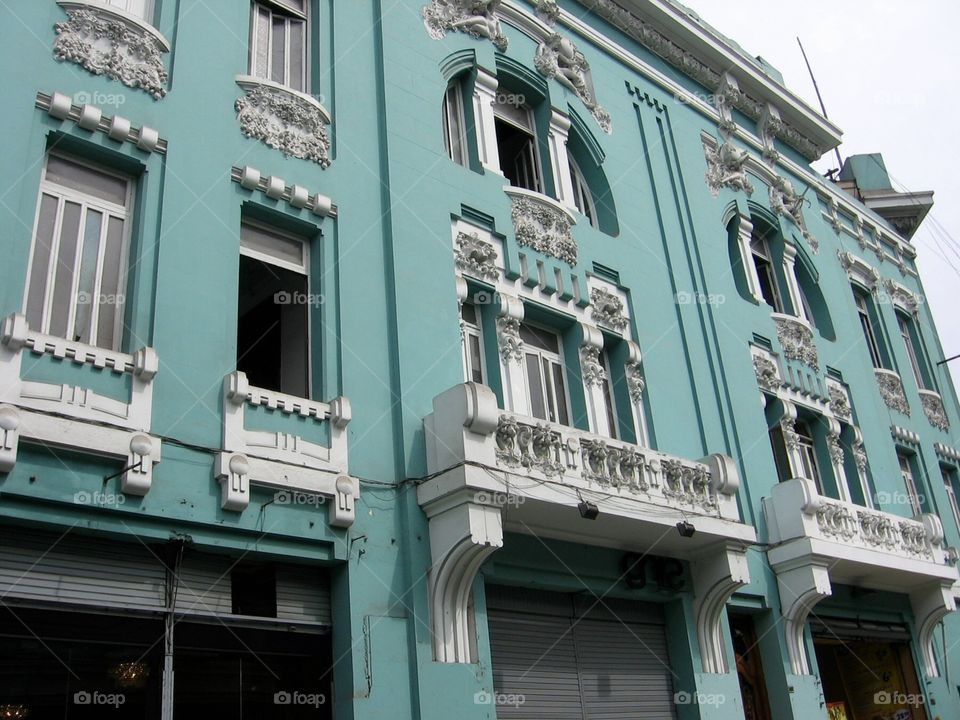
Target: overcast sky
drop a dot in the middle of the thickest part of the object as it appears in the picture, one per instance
(887, 73)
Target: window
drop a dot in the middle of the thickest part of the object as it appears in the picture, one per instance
(454, 124)
(909, 481)
(866, 324)
(582, 197)
(79, 253)
(517, 143)
(143, 9)
(273, 310)
(608, 401)
(950, 485)
(278, 42)
(763, 262)
(807, 453)
(472, 344)
(546, 389)
(910, 341)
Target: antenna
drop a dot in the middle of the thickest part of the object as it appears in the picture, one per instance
(823, 107)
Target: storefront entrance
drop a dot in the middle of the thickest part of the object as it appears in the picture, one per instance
(867, 673)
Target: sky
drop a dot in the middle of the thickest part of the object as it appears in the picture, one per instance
(887, 74)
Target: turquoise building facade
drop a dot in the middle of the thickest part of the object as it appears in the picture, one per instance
(456, 359)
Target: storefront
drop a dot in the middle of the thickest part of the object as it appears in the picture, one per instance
(570, 657)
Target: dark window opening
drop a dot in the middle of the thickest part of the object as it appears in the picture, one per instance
(253, 589)
(272, 327)
(517, 145)
(766, 274)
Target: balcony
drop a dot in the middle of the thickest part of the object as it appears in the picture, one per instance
(818, 540)
(796, 338)
(891, 390)
(294, 446)
(934, 410)
(486, 460)
(108, 412)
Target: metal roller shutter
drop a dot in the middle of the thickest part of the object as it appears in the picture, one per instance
(574, 661)
(37, 567)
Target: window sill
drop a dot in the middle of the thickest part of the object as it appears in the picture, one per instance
(542, 199)
(137, 24)
(249, 82)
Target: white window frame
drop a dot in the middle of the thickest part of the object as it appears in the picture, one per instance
(866, 326)
(472, 332)
(807, 454)
(302, 268)
(282, 9)
(903, 323)
(455, 123)
(760, 249)
(951, 493)
(124, 212)
(910, 482)
(582, 197)
(146, 14)
(526, 124)
(553, 360)
(609, 399)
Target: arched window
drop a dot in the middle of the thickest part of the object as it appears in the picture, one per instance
(766, 271)
(454, 124)
(582, 197)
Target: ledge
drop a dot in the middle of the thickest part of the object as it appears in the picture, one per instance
(249, 82)
(134, 22)
(536, 197)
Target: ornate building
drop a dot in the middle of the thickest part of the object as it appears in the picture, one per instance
(456, 358)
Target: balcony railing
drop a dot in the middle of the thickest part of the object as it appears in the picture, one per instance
(816, 540)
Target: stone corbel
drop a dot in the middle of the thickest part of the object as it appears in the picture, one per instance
(801, 588)
(593, 374)
(837, 457)
(790, 439)
(858, 270)
(509, 316)
(342, 509)
(793, 286)
(233, 474)
(770, 126)
(636, 384)
(9, 437)
(716, 576)
(463, 534)
(931, 605)
(138, 477)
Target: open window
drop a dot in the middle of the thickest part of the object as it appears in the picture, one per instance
(454, 124)
(807, 454)
(77, 271)
(582, 197)
(473, 369)
(273, 310)
(142, 9)
(544, 371)
(869, 325)
(918, 360)
(609, 404)
(517, 143)
(766, 271)
(279, 41)
(908, 471)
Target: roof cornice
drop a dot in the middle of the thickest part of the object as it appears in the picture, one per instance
(706, 57)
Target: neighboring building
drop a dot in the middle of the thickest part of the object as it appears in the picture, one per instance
(455, 359)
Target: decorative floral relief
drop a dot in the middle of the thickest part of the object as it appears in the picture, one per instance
(635, 382)
(726, 167)
(105, 45)
(285, 122)
(878, 530)
(839, 403)
(934, 410)
(473, 17)
(544, 228)
(476, 257)
(835, 448)
(557, 57)
(688, 484)
(797, 341)
(508, 338)
(860, 456)
(548, 11)
(529, 446)
(891, 389)
(836, 520)
(914, 537)
(785, 201)
(767, 376)
(607, 309)
(790, 437)
(591, 369)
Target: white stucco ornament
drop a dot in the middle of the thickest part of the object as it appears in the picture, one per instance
(473, 17)
(558, 58)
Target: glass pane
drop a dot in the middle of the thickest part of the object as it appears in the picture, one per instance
(261, 62)
(468, 313)
(272, 244)
(278, 47)
(561, 395)
(111, 297)
(476, 366)
(535, 384)
(86, 283)
(542, 339)
(296, 54)
(551, 396)
(42, 245)
(63, 274)
(608, 401)
(87, 180)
